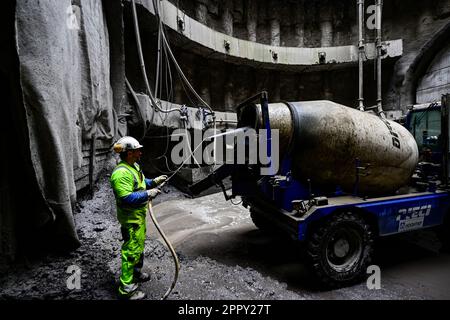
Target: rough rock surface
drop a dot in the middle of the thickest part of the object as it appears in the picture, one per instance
(99, 260)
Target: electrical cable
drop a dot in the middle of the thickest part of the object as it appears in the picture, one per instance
(155, 222)
(177, 66)
(236, 204)
(168, 53)
(180, 71)
(168, 72)
(158, 63)
(163, 155)
(161, 232)
(155, 105)
(142, 63)
(138, 106)
(190, 149)
(187, 158)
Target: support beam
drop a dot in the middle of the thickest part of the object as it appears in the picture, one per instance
(361, 52)
(379, 46)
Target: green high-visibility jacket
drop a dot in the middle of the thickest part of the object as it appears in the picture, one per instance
(125, 180)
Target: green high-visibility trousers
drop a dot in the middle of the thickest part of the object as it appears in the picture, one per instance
(132, 252)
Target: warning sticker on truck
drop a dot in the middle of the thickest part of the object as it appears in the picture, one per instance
(410, 224)
(412, 218)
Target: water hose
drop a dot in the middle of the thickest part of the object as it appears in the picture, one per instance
(161, 232)
(169, 245)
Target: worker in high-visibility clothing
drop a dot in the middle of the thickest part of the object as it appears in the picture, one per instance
(132, 191)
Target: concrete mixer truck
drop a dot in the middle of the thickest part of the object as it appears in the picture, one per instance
(345, 178)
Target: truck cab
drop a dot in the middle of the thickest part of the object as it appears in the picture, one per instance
(424, 122)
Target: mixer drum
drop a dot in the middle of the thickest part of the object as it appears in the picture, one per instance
(328, 141)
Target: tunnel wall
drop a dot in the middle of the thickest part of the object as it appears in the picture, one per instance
(69, 115)
(310, 24)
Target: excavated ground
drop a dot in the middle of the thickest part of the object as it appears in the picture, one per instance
(99, 260)
(222, 254)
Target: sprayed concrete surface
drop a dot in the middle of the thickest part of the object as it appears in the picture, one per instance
(222, 254)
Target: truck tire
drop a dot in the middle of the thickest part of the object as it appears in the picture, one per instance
(261, 223)
(340, 250)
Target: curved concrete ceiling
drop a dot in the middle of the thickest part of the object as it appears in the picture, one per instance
(252, 53)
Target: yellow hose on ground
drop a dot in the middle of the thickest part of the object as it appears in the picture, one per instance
(172, 251)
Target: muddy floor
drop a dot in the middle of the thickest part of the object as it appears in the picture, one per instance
(222, 254)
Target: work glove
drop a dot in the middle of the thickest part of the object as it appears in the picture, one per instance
(160, 180)
(152, 193)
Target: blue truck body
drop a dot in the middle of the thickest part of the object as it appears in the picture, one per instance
(337, 229)
(390, 214)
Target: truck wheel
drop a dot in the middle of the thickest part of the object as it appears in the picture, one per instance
(260, 222)
(340, 250)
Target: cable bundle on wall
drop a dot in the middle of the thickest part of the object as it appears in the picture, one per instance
(164, 44)
(142, 63)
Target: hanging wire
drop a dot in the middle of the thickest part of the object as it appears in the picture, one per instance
(138, 107)
(142, 63)
(236, 204)
(166, 53)
(185, 81)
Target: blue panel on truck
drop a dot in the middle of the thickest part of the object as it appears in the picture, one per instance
(393, 214)
(407, 214)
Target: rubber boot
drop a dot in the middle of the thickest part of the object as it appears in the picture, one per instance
(131, 292)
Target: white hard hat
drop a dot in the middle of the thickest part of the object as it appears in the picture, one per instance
(125, 144)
